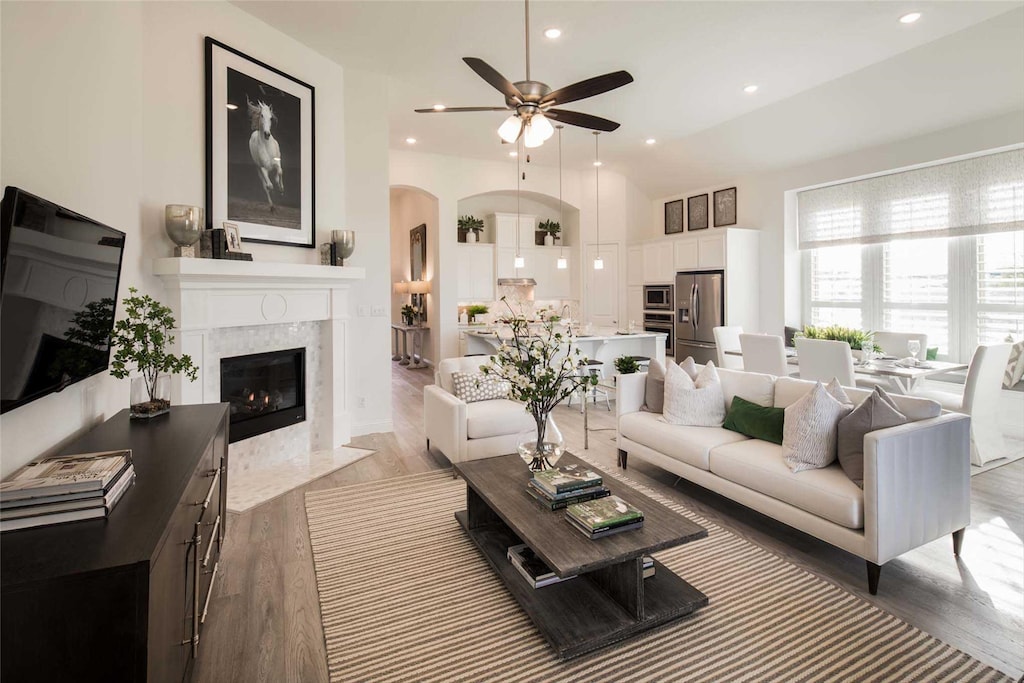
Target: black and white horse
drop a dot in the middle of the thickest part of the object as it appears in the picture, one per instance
(263, 148)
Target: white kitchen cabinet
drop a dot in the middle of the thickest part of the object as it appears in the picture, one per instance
(505, 263)
(685, 254)
(635, 304)
(505, 225)
(635, 266)
(475, 272)
(659, 267)
(711, 251)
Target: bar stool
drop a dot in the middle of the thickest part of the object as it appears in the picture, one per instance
(593, 368)
(643, 362)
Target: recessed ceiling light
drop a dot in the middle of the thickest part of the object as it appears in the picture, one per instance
(513, 154)
(411, 141)
(910, 18)
(439, 107)
(598, 163)
(750, 89)
(649, 141)
(232, 107)
(552, 33)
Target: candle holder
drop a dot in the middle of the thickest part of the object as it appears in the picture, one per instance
(344, 244)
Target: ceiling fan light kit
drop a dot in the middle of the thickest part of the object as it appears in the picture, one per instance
(532, 103)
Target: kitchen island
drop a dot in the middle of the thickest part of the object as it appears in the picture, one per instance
(603, 345)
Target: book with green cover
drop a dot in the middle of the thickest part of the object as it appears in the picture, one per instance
(550, 502)
(604, 513)
(567, 478)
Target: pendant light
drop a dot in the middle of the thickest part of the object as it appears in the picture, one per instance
(598, 261)
(520, 262)
(563, 262)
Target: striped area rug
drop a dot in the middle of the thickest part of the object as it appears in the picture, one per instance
(405, 596)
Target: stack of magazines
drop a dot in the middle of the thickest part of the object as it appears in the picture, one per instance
(604, 517)
(561, 487)
(65, 489)
(533, 569)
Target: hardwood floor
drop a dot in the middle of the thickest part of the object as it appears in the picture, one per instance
(264, 622)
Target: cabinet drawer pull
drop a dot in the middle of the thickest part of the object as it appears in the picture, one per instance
(209, 593)
(209, 494)
(209, 547)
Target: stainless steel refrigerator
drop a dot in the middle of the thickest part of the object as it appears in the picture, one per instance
(700, 308)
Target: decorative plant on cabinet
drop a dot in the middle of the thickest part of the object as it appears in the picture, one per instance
(550, 230)
(471, 226)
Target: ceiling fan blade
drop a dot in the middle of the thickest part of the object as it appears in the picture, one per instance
(456, 109)
(575, 118)
(497, 81)
(588, 88)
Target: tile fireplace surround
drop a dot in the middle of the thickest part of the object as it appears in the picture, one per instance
(226, 308)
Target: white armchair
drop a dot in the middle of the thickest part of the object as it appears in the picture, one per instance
(470, 431)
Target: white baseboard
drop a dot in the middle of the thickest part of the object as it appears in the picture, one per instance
(373, 427)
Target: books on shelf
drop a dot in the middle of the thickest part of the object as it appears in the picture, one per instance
(533, 569)
(565, 479)
(65, 489)
(563, 500)
(604, 516)
(648, 566)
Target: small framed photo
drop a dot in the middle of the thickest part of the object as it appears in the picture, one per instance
(725, 207)
(673, 217)
(697, 212)
(232, 237)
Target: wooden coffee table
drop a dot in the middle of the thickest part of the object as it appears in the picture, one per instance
(609, 600)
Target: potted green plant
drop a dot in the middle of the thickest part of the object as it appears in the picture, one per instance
(475, 310)
(470, 227)
(626, 365)
(550, 229)
(859, 340)
(141, 340)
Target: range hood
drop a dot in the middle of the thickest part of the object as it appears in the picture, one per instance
(517, 281)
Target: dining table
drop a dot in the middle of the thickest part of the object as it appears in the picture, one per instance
(902, 376)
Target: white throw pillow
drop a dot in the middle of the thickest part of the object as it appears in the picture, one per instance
(810, 429)
(690, 366)
(690, 403)
(837, 391)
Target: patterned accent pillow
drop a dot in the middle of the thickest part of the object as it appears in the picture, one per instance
(1014, 365)
(478, 387)
(810, 429)
(695, 404)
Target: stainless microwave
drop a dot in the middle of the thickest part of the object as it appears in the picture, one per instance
(658, 298)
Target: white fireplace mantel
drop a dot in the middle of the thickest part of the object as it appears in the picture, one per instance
(209, 294)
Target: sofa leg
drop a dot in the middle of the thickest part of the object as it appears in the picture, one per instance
(874, 571)
(623, 455)
(958, 541)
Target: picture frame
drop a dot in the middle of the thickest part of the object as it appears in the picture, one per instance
(697, 212)
(260, 149)
(725, 207)
(232, 237)
(673, 217)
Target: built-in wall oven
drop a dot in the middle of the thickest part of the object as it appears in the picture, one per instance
(658, 298)
(657, 321)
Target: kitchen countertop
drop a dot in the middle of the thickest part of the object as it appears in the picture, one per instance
(601, 336)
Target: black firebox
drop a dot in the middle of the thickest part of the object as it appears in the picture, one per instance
(267, 391)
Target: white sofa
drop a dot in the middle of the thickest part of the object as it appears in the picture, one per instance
(916, 476)
(469, 431)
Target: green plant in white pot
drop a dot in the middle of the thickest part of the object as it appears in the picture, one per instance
(140, 341)
(550, 230)
(472, 226)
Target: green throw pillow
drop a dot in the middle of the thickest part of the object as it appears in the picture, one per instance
(932, 353)
(755, 421)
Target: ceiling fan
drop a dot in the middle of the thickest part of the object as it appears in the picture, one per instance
(533, 102)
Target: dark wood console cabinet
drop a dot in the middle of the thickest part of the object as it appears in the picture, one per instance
(123, 598)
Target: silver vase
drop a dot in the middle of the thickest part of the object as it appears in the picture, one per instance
(344, 245)
(183, 224)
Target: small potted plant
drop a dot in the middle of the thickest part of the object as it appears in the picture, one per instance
(141, 339)
(626, 365)
(470, 227)
(550, 229)
(475, 310)
(859, 340)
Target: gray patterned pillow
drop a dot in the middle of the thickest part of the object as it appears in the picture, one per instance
(478, 387)
(810, 428)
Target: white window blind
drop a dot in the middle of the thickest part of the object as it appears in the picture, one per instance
(975, 196)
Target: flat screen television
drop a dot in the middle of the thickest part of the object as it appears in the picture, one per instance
(58, 289)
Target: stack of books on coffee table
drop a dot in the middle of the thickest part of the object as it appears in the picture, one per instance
(533, 569)
(65, 489)
(559, 488)
(604, 517)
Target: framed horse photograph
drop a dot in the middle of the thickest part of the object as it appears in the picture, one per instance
(260, 149)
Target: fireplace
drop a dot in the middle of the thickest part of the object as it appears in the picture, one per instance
(267, 391)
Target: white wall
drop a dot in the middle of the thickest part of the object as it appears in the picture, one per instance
(103, 112)
(450, 179)
(761, 201)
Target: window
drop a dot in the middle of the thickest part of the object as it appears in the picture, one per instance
(938, 250)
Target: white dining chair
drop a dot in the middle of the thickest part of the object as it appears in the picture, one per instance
(980, 400)
(822, 359)
(728, 339)
(895, 343)
(764, 353)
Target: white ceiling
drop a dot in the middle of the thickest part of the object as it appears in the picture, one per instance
(833, 76)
